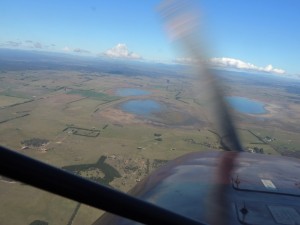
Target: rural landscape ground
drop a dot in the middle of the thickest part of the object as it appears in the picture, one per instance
(115, 122)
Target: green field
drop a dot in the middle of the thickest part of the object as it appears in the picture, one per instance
(74, 119)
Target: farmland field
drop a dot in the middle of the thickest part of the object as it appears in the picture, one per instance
(84, 128)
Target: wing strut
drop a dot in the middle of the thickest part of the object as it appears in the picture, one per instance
(60, 182)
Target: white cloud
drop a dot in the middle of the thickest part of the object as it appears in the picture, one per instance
(67, 49)
(13, 43)
(37, 45)
(185, 60)
(232, 63)
(77, 50)
(80, 50)
(25, 45)
(121, 51)
(239, 64)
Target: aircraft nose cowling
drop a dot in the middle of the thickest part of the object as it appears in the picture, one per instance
(262, 189)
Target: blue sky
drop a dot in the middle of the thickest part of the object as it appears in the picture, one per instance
(242, 34)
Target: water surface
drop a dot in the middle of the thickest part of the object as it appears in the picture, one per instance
(246, 105)
(142, 107)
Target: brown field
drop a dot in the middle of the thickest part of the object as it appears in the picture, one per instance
(75, 99)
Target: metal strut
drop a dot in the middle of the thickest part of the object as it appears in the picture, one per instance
(63, 183)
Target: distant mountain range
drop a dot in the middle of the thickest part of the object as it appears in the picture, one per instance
(18, 60)
(11, 59)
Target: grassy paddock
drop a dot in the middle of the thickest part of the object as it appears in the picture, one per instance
(80, 101)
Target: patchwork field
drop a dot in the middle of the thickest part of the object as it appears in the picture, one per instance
(75, 120)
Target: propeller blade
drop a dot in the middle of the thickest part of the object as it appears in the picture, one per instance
(182, 22)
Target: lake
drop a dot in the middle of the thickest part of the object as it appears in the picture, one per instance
(131, 92)
(246, 105)
(143, 107)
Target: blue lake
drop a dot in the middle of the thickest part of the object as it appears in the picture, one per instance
(142, 107)
(246, 105)
(131, 92)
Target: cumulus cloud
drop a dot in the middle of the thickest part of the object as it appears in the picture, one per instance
(239, 64)
(27, 44)
(185, 60)
(37, 45)
(121, 51)
(77, 50)
(232, 63)
(66, 49)
(13, 43)
(80, 50)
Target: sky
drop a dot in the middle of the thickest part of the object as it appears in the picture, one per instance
(256, 35)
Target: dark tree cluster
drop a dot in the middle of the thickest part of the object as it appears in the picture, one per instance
(35, 142)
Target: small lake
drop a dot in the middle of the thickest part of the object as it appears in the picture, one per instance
(142, 107)
(131, 92)
(246, 105)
